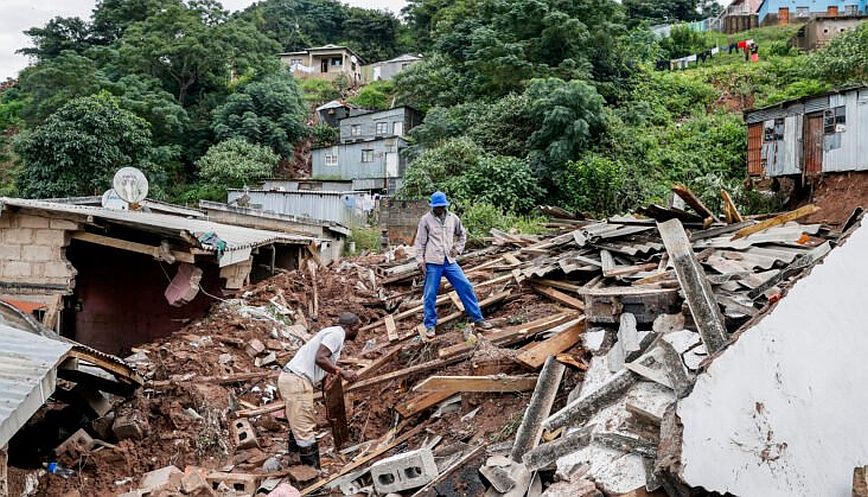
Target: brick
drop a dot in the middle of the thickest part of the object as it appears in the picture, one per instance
(58, 270)
(404, 471)
(195, 482)
(62, 224)
(16, 269)
(10, 252)
(55, 238)
(254, 347)
(132, 426)
(239, 482)
(244, 435)
(168, 477)
(21, 236)
(39, 253)
(32, 222)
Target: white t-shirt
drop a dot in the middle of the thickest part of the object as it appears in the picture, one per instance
(304, 361)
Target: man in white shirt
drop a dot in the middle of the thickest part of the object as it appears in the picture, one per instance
(304, 373)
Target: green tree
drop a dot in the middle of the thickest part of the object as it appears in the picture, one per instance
(299, 24)
(372, 33)
(53, 82)
(111, 18)
(58, 35)
(235, 163)
(269, 112)
(505, 182)
(80, 147)
(377, 95)
(662, 10)
(433, 81)
(844, 59)
(440, 168)
(683, 41)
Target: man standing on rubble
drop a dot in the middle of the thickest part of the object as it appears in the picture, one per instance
(440, 239)
(304, 373)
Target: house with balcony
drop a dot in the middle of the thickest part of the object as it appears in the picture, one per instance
(368, 152)
(327, 62)
(773, 12)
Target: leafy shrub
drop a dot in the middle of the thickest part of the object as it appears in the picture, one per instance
(366, 239)
(377, 95)
(844, 59)
(236, 162)
(324, 135)
(505, 182)
(438, 168)
(780, 48)
(480, 217)
(683, 41)
(318, 91)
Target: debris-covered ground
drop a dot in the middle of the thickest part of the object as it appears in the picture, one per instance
(599, 328)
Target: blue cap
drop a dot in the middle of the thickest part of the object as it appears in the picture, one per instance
(438, 199)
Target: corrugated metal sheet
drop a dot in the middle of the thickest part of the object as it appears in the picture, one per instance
(816, 104)
(28, 376)
(324, 206)
(851, 154)
(236, 237)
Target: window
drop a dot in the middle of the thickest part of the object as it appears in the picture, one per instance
(295, 62)
(803, 11)
(834, 120)
(367, 156)
(331, 160)
(356, 130)
(337, 62)
(774, 131)
(398, 128)
(851, 10)
(382, 128)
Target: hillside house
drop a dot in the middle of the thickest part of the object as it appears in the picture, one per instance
(331, 113)
(388, 69)
(369, 150)
(788, 11)
(822, 29)
(809, 136)
(327, 62)
(740, 15)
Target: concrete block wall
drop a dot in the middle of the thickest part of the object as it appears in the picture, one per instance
(32, 250)
(401, 217)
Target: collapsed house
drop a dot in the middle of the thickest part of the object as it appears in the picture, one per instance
(99, 270)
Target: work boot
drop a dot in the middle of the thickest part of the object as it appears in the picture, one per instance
(310, 455)
(484, 325)
(293, 450)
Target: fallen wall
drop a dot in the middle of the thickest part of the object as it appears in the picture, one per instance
(781, 412)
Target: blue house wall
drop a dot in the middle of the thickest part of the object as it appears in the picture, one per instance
(814, 8)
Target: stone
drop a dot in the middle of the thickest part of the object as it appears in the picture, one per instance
(76, 444)
(131, 426)
(267, 360)
(160, 478)
(225, 359)
(243, 434)
(38, 253)
(284, 490)
(194, 482)
(302, 473)
(254, 347)
(271, 465)
(404, 471)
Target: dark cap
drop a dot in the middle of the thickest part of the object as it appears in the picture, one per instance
(348, 319)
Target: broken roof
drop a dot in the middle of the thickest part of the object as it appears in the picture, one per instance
(28, 365)
(237, 238)
(153, 205)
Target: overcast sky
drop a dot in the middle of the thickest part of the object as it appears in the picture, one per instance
(19, 15)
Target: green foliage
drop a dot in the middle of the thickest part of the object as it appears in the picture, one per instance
(318, 91)
(844, 60)
(269, 112)
(506, 182)
(57, 36)
(600, 186)
(80, 147)
(683, 41)
(430, 82)
(235, 163)
(366, 239)
(324, 135)
(662, 10)
(12, 102)
(437, 168)
(54, 82)
(799, 89)
(377, 95)
(480, 217)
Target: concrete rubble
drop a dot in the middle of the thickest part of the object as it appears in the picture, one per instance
(625, 355)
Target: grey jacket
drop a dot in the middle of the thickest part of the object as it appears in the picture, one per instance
(436, 238)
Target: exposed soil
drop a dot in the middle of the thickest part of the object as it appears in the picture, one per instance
(838, 195)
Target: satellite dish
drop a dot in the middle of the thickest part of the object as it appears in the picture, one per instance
(353, 59)
(111, 200)
(131, 185)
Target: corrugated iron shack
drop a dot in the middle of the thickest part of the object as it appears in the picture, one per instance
(809, 136)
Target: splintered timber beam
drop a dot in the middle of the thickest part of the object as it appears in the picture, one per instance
(420, 403)
(567, 336)
(561, 297)
(732, 214)
(694, 202)
(509, 337)
(697, 290)
(546, 454)
(493, 383)
(580, 410)
(336, 412)
(528, 435)
(799, 213)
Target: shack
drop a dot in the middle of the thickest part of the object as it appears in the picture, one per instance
(113, 279)
(820, 30)
(809, 136)
(348, 208)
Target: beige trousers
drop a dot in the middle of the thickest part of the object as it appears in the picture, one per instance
(297, 392)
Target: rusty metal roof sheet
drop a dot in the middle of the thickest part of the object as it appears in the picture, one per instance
(236, 237)
(28, 376)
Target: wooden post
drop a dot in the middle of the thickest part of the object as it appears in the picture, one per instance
(336, 412)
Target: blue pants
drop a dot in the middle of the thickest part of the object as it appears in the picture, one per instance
(459, 282)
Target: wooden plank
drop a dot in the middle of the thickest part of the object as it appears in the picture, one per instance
(364, 460)
(799, 213)
(492, 383)
(511, 336)
(453, 296)
(732, 214)
(422, 402)
(425, 366)
(511, 259)
(628, 270)
(536, 356)
(313, 278)
(336, 411)
(560, 297)
(156, 252)
(560, 285)
(694, 202)
(391, 329)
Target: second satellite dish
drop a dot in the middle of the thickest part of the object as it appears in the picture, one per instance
(131, 185)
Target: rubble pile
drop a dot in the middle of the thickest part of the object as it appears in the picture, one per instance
(599, 329)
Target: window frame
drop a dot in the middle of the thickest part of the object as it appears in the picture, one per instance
(355, 130)
(367, 153)
(382, 128)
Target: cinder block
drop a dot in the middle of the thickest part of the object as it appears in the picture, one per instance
(168, 477)
(76, 444)
(21, 236)
(404, 471)
(254, 347)
(242, 483)
(54, 238)
(39, 253)
(132, 426)
(16, 269)
(58, 270)
(32, 221)
(62, 224)
(10, 252)
(244, 435)
(195, 482)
